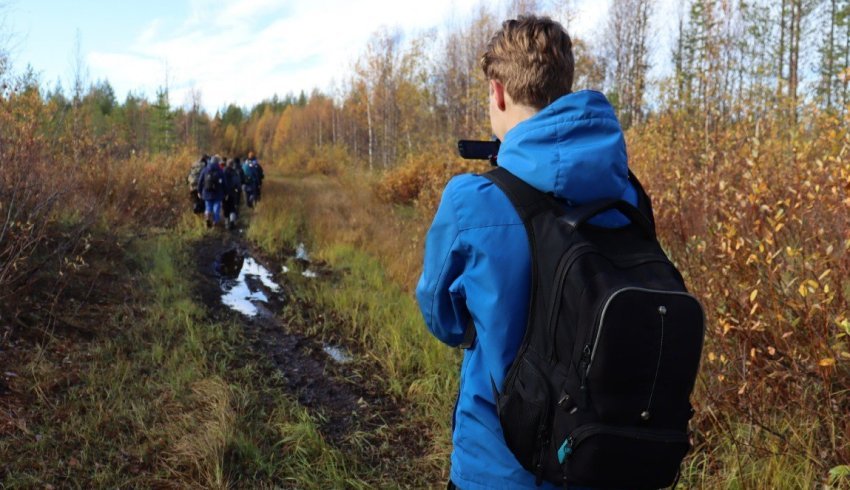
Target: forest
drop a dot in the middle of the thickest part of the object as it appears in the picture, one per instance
(739, 128)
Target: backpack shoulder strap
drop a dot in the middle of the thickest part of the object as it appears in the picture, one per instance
(527, 200)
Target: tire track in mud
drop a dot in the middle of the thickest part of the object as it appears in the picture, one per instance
(346, 391)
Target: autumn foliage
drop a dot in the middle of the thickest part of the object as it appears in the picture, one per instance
(747, 163)
(757, 215)
(66, 175)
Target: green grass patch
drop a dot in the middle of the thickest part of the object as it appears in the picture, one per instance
(167, 398)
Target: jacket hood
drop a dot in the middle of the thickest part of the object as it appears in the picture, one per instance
(573, 148)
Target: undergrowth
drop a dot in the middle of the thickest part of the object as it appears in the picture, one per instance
(163, 396)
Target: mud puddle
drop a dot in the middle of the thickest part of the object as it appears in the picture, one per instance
(245, 283)
(325, 377)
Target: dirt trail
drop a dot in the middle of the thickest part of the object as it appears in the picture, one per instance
(332, 381)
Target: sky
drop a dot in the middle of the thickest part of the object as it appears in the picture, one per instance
(231, 51)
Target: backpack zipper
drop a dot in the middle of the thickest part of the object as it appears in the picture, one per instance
(574, 440)
(571, 258)
(564, 266)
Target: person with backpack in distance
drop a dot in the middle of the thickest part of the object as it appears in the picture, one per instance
(249, 182)
(254, 163)
(212, 184)
(230, 206)
(581, 341)
(194, 173)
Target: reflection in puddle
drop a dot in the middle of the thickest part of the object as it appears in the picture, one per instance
(338, 354)
(243, 281)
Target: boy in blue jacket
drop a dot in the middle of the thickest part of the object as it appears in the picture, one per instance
(477, 269)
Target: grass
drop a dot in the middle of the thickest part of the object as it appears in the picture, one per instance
(380, 315)
(164, 397)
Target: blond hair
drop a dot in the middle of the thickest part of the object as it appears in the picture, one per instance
(533, 58)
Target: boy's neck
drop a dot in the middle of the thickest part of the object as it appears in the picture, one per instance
(515, 114)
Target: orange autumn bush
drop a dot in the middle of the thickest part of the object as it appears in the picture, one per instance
(420, 178)
(757, 215)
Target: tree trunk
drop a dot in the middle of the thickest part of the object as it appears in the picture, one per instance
(794, 47)
(781, 57)
(369, 125)
(830, 57)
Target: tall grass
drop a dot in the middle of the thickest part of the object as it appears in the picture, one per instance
(357, 235)
(164, 397)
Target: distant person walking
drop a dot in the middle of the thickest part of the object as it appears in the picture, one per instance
(232, 195)
(192, 179)
(254, 163)
(212, 184)
(250, 183)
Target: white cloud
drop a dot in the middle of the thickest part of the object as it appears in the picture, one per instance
(244, 51)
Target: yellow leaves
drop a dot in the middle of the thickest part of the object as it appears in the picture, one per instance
(808, 287)
(753, 295)
(844, 324)
(827, 362)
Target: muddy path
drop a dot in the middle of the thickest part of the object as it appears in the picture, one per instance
(341, 386)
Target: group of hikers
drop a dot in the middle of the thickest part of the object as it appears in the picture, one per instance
(216, 186)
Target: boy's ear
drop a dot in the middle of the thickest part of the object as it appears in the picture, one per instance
(497, 90)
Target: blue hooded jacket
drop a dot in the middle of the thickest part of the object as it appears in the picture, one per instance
(218, 173)
(478, 265)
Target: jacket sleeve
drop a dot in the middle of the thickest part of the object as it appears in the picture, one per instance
(440, 290)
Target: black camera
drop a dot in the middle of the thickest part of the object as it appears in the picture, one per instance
(479, 150)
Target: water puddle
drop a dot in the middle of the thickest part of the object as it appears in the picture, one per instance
(338, 354)
(244, 283)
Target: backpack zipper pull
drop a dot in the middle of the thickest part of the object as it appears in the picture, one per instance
(565, 450)
(584, 364)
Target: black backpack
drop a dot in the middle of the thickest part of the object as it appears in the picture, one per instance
(598, 394)
(211, 181)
